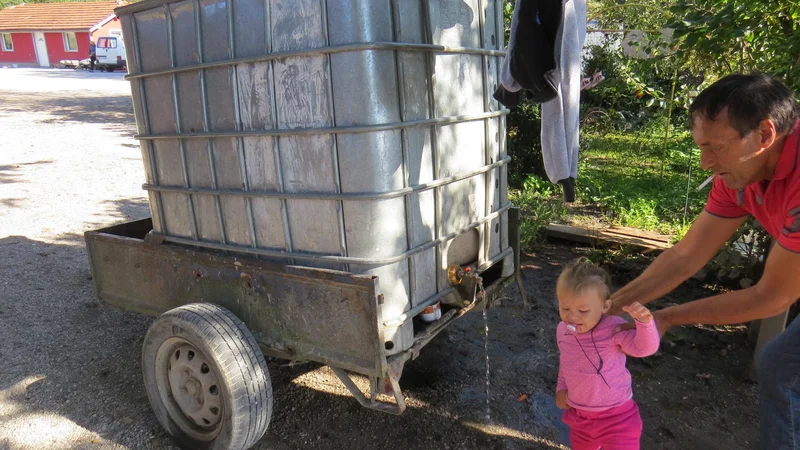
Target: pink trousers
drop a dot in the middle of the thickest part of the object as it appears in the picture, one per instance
(613, 429)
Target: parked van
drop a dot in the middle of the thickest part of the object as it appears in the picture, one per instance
(110, 53)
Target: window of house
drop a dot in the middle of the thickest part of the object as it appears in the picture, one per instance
(107, 43)
(115, 32)
(8, 44)
(70, 42)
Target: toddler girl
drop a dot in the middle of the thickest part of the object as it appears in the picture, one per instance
(594, 387)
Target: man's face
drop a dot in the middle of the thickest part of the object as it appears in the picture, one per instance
(733, 158)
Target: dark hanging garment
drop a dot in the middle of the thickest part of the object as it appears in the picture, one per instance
(530, 63)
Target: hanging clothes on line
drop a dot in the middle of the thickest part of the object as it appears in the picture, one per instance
(530, 61)
(590, 82)
(544, 58)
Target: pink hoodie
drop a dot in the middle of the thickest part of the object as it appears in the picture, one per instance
(579, 363)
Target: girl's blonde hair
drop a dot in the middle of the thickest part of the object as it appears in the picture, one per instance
(582, 274)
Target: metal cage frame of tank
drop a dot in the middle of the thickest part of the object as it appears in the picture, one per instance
(141, 266)
(176, 199)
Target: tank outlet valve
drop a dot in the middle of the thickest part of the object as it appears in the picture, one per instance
(455, 274)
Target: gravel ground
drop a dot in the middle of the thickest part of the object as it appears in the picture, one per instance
(70, 374)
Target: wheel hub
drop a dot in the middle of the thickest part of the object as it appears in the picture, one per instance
(194, 386)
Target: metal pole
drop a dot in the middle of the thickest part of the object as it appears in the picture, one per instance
(204, 101)
(238, 119)
(437, 200)
(337, 177)
(276, 141)
(344, 48)
(160, 220)
(487, 158)
(349, 196)
(181, 142)
(401, 95)
(333, 259)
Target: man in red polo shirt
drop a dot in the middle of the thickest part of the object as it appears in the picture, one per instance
(748, 130)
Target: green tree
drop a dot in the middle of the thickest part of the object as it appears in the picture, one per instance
(717, 37)
(724, 36)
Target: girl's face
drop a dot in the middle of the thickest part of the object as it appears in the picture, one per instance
(582, 309)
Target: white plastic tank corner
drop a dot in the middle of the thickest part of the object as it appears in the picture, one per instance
(358, 135)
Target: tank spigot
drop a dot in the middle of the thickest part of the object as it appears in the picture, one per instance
(455, 274)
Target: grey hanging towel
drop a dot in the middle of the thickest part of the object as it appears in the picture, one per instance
(544, 59)
(561, 116)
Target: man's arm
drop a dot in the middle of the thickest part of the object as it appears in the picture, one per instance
(704, 239)
(778, 289)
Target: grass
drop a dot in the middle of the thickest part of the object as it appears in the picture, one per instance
(623, 179)
(629, 179)
(540, 205)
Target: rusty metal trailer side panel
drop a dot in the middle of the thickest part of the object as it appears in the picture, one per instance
(296, 312)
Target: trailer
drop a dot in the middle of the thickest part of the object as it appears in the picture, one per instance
(327, 181)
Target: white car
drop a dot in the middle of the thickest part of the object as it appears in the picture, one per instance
(110, 53)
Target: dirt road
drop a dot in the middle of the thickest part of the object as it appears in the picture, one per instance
(69, 366)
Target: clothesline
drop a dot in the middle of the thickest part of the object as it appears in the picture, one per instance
(624, 30)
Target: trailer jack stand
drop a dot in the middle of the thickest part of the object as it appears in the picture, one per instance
(375, 383)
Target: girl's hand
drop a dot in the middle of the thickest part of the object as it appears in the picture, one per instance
(561, 399)
(638, 312)
(659, 316)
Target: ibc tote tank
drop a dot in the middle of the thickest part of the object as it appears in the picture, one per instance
(355, 135)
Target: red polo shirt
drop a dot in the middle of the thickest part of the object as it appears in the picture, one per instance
(776, 205)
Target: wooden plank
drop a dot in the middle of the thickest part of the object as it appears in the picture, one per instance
(570, 233)
(604, 236)
(623, 238)
(635, 232)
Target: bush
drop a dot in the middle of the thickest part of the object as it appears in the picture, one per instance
(541, 204)
(636, 92)
(524, 143)
(741, 261)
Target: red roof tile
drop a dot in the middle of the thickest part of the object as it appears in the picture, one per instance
(55, 16)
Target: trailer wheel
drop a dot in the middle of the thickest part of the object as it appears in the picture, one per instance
(206, 378)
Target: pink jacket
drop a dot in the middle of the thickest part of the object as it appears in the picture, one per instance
(580, 361)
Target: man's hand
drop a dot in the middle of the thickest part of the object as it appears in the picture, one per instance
(662, 322)
(638, 312)
(619, 305)
(561, 399)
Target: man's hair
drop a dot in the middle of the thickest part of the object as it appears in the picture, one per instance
(750, 99)
(582, 274)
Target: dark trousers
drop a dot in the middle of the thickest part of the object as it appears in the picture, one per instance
(778, 369)
(92, 59)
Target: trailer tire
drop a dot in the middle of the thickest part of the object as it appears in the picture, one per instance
(206, 378)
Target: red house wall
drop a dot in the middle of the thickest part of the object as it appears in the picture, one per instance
(24, 50)
(105, 30)
(56, 50)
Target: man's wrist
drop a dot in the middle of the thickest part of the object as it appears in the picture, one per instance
(665, 317)
(619, 301)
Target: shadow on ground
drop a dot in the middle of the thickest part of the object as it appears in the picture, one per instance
(80, 74)
(113, 112)
(8, 172)
(72, 375)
